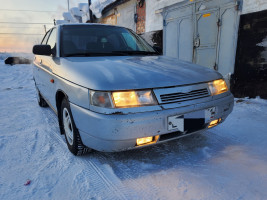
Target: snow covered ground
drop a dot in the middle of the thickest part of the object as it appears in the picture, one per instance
(4, 55)
(226, 162)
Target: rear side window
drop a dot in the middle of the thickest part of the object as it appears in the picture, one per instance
(44, 41)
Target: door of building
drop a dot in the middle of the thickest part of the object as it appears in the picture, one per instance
(203, 32)
(179, 32)
(206, 37)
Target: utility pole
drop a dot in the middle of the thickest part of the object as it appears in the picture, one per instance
(68, 5)
(90, 12)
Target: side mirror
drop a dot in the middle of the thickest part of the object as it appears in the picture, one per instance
(44, 50)
(158, 49)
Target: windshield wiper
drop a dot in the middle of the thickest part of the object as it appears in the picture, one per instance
(137, 52)
(78, 54)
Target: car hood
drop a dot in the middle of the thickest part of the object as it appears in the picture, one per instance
(128, 72)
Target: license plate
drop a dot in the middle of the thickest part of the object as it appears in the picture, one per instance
(177, 122)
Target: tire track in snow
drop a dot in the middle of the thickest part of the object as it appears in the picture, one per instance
(135, 186)
(111, 190)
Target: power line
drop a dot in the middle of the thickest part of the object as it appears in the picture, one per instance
(22, 23)
(23, 27)
(18, 36)
(21, 34)
(11, 10)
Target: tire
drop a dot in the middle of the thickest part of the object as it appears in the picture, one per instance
(40, 99)
(70, 131)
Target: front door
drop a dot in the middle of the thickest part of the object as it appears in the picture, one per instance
(48, 63)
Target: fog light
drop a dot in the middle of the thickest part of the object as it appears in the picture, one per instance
(214, 122)
(146, 140)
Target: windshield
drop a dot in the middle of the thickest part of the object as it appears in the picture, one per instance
(95, 40)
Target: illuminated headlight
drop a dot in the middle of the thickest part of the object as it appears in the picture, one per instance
(218, 87)
(126, 99)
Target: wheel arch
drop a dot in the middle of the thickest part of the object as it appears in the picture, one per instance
(60, 95)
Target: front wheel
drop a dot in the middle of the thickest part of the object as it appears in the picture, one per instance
(70, 131)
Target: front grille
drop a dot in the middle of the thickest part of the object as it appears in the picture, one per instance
(179, 97)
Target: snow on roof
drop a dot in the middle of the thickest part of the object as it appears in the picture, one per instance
(81, 14)
(98, 5)
(58, 22)
(77, 14)
(75, 11)
(83, 7)
(68, 17)
(87, 24)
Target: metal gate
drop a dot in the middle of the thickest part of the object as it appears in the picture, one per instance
(205, 44)
(203, 32)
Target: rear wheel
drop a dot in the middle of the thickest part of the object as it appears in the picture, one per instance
(40, 99)
(70, 131)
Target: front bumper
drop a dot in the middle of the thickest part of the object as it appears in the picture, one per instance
(118, 132)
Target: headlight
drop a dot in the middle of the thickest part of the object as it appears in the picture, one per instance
(133, 98)
(101, 99)
(218, 87)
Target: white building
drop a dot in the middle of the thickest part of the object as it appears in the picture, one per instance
(229, 36)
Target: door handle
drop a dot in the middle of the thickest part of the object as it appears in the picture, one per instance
(197, 42)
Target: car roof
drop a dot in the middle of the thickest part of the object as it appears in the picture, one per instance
(85, 24)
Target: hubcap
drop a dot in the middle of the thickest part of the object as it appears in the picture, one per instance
(68, 126)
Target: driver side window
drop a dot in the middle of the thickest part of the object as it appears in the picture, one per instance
(52, 39)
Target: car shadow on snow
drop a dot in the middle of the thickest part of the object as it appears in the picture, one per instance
(190, 152)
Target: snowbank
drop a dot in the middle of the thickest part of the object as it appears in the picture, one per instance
(3, 56)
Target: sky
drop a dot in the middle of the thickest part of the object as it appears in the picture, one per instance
(19, 36)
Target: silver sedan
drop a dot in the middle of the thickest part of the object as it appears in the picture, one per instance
(112, 91)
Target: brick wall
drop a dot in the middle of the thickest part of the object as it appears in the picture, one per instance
(141, 13)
